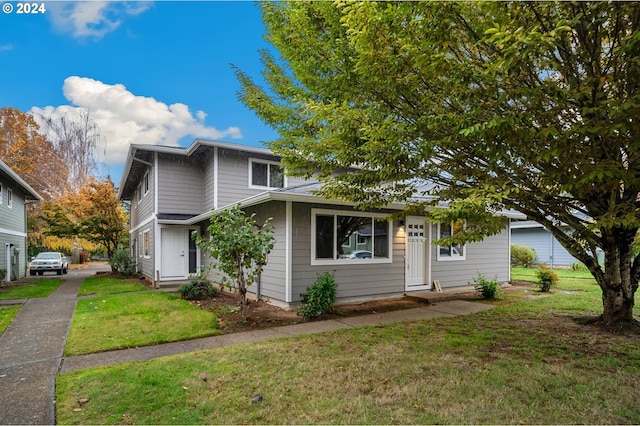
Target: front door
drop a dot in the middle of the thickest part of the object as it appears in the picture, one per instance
(174, 253)
(417, 252)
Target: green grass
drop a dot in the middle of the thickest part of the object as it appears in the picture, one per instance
(7, 313)
(30, 290)
(138, 319)
(525, 361)
(106, 285)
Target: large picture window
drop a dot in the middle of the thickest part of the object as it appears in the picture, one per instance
(344, 237)
(265, 174)
(452, 252)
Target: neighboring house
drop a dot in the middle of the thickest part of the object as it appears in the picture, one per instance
(14, 195)
(548, 249)
(175, 191)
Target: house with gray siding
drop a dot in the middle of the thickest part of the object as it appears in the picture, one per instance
(548, 249)
(174, 192)
(15, 193)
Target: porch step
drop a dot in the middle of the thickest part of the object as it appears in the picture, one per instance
(455, 293)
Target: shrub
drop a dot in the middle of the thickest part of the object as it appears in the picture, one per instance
(489, 289)
(320, 297)
(522, 255)
(546, 278)
(578, 266)
(123, 263)
(3, 273)
(197, 290)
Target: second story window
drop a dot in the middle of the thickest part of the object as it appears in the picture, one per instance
(9, 198)
(265, 174)
(146, 183)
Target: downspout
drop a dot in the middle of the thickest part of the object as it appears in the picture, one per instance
(7, 259)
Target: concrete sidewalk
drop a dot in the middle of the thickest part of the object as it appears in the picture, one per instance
(31, 354)
(31, 348)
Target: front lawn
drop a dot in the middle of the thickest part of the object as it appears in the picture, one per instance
(7, 313)
(31, 289)
(101, 286)
(138, 319)
(525, 362)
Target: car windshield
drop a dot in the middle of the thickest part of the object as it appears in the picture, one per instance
(48, 256)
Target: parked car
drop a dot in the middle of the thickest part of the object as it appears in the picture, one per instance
(48, 261)
(357, 254)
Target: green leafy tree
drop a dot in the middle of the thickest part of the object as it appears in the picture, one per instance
(239, 248)
(531, 106)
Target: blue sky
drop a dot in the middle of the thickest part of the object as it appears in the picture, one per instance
(148, 72)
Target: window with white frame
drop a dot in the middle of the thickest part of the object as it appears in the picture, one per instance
(146, 247)
(452, 252)
(339, 237)
(146, 183)
(9, 198)
(265, 174)
(140, 247)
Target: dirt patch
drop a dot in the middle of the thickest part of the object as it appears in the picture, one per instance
(260, 315)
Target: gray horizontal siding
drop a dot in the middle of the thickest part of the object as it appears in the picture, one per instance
(548, 249)
(353, 281)
(489, 257)
(142, 210)
(233, 176)
(272, 281)
(180, 186)
(19, 243)
(12, 218)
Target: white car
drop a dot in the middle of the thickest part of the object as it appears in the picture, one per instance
(48, 261)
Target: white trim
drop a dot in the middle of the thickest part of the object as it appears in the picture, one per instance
(9, 198)
(427, 284)
(0, 193)
(441, 258)
(288, 251)
(13, 233)
(509, 257)
(141, 224)
(267, 163)
(335, 214)
(215, 177)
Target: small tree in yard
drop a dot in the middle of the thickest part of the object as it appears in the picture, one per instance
(239, 246)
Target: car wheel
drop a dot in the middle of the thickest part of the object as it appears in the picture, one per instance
(40, 272)
(59, 271)
(32, 272)
(64, 271)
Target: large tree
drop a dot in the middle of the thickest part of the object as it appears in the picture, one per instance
(532, 106)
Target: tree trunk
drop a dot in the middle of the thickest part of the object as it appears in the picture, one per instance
(618, 283)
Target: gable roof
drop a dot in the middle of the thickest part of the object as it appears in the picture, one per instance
(7, 173)
(140, 157)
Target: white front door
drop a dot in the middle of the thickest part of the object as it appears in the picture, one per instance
(417, 252)
(174, 253)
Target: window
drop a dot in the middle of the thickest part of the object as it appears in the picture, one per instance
(339, 237)
(146, 183)
(139, 192)
(140, 248)
(265, 174)
(9, 198)
(147, 252)
(453, 252)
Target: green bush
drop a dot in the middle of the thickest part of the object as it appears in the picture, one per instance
(578, 266)
(489, 289)
(123, 263)
(197, 290)
(320, 297)
(3, 273)
(546, 278)
(522, 255)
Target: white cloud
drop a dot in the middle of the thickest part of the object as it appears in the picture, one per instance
(91, 18)
(124, 118)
